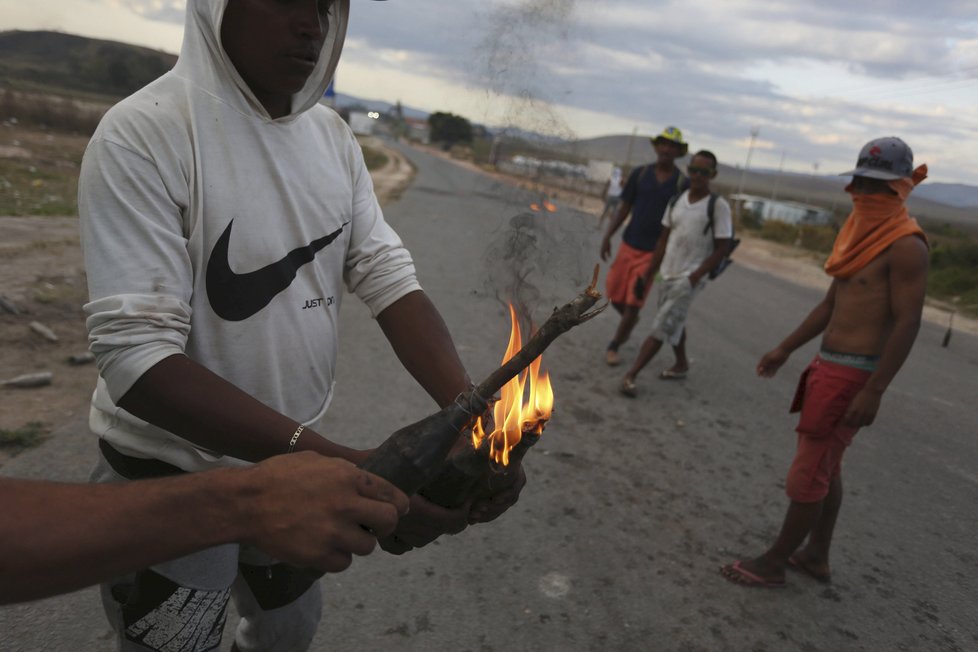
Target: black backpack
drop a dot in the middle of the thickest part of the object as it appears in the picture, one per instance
(710, 207)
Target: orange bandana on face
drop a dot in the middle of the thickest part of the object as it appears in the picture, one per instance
(876, 222)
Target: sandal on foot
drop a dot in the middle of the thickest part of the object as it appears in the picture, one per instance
(628, 388)
(737, 574)
(797, 564)
(612, 358)
(670, 374)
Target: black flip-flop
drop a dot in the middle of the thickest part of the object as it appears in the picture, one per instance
(669, 374)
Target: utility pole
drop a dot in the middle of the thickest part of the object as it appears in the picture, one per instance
(631, 144)
(808, 195)
(777, 178)
(743, 173)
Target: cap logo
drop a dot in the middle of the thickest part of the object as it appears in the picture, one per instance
(875, 151)
(874, 161)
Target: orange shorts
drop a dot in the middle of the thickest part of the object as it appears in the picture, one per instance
(823, 396)
(628, 266)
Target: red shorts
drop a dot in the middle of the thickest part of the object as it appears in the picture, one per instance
(823, 396)
(629, 264)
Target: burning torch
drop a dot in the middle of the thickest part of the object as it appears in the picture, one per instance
(414, 457)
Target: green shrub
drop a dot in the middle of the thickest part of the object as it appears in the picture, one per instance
(374, 158)
(779, 231)
(964, 254)
(750, 220)
(953, 275)
(22, 438)
(817, 238)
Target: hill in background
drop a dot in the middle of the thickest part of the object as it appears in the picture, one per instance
(57, 62)
(104, 71)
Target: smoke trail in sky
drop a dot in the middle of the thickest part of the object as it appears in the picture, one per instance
(522, 42)
(536, 259)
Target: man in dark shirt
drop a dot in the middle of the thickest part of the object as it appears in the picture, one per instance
(645, 196)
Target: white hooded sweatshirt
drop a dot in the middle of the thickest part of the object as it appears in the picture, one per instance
(211, 229)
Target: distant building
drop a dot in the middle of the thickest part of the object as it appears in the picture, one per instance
(361, 123)
(599, 171)
(790, 212)
(418, 130)
(329, 97)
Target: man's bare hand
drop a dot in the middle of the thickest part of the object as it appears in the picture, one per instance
(317, 512)
(502, 492)
(771, 362)
(425, 523)
(863, 408)
(605, 248)
(639, 288)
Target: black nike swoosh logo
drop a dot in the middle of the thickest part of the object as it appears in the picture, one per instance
(236, 297)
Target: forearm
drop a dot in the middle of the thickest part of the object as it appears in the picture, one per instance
(187, 399)
(421, 340)
(894, 354)
(617, 219)
(61, 537)
(814, 324)
(657, 256)
(719, 251)
(908, 287)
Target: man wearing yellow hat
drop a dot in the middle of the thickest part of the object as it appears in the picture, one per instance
(646, 196)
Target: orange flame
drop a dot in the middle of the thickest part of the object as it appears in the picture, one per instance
(511, 417)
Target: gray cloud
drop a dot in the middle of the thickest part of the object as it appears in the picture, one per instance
(716, 69)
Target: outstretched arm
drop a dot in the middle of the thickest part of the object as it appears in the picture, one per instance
(305, 509)
(908, 286)
(811, 327)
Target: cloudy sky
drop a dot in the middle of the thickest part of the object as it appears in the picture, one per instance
(814, 80)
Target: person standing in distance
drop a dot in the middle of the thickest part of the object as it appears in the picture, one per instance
(868, 320)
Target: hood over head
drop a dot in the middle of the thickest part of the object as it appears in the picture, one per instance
(203, 60)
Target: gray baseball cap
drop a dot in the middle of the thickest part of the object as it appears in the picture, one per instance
(883, 158)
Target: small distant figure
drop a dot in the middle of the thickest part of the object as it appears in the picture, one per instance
(612, 194)
(869, 319)
(696, 235)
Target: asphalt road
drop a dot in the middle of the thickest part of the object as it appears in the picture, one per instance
(631, 505)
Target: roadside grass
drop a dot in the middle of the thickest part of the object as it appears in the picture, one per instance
(953, 276)
(27, 436)
(38, 169)
(374, 158)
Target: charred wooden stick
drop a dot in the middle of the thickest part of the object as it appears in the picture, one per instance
(560, 321)
(413, 456)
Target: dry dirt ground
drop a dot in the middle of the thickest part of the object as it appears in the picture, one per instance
(42, 279)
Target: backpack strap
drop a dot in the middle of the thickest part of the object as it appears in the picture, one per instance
(710, 207)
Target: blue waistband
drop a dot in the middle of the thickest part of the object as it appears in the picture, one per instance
(854, 360)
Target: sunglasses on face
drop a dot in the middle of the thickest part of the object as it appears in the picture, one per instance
(706, 172)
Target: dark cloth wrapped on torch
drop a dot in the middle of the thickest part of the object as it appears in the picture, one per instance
(414, 457)
(490, 463)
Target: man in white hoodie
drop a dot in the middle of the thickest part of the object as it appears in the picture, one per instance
(223, 210)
